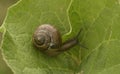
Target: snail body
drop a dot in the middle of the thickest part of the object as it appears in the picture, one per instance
(48, 39)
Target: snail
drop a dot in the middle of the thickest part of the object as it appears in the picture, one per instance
(48, 39)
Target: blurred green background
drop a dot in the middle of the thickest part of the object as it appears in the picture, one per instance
(4, 4)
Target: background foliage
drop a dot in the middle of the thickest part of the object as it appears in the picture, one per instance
(4, 4)
(98, 19)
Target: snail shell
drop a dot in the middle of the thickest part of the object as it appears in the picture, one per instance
(47, 37)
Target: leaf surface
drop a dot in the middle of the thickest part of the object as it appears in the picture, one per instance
(99, 21)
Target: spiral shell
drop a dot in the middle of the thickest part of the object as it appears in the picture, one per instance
(47, 37)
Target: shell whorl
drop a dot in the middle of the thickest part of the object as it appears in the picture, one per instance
(47, 37)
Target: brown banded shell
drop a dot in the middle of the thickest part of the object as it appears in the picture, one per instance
(47, 37)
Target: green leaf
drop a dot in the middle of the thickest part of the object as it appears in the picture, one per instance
(98, 19)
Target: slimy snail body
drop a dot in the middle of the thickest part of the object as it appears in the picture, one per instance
(48, 39)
